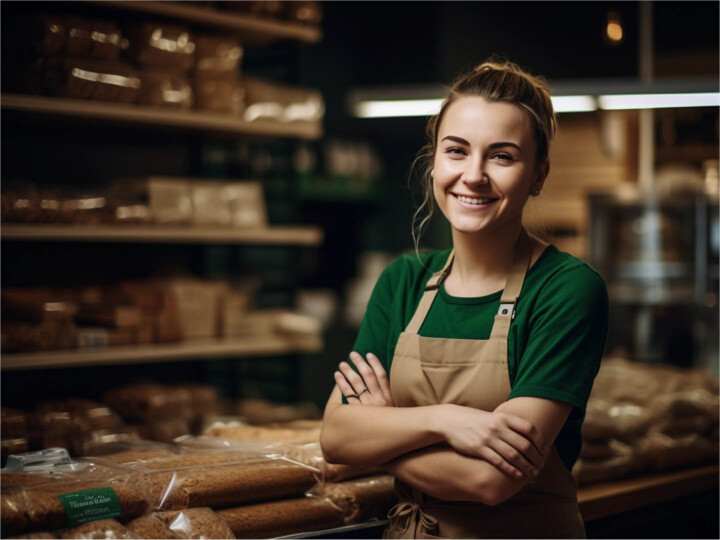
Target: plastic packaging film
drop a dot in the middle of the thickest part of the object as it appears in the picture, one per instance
(643, 418)
(360, 499)
(278, 518)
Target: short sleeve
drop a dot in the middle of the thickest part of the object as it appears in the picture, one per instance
(374, 331)
(566, 339)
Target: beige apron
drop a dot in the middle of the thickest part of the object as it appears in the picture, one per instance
(474, 373)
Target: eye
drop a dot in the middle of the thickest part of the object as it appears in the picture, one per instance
(455, 151)
(503, 156)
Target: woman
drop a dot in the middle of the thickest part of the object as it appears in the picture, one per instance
(491, 347)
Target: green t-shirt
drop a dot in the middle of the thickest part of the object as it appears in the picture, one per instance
(556, 338)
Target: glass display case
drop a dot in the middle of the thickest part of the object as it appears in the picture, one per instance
(659, 257)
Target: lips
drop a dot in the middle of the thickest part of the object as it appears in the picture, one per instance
(474, 200)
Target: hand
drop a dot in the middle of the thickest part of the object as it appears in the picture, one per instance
(373, 388)
(508, 442)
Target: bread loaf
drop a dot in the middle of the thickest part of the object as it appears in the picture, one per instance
(360, 499)
(189, 523)
(222, 485)
(100, 529)
(278, 518)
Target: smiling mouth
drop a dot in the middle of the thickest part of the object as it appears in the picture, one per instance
(474, 200)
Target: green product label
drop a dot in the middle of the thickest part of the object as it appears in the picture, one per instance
(89, 505)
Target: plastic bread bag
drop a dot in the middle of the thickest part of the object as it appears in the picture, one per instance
(150, 402)
(165, 88)
(82, 78)
(217, 54)
(162, 45)
(218, 479)
(238, 431)
(129, 452)
(99, 529)
(56, 500)
(665, 452)
(270, 101)
(277, 518)
(197, 523)
(360, 499)
(311, 455)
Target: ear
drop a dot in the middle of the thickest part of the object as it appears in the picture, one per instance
(543, 170)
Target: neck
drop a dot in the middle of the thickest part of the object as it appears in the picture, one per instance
(483, 258)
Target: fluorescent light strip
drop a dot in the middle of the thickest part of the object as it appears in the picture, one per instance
(397, 107)
(561, 104)
(659, 101)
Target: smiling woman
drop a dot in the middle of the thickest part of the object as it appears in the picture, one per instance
(491, 347)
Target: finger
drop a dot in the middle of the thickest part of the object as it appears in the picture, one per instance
(367, 373)
(514, 458)
(497, 461)
(380, 374)
(352, 377)
(344, 386)
(525, 447)
(527, 430)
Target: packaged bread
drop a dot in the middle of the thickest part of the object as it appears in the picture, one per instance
(163, 45)
(311, 454)
(13, 423)
(197, 523)
(222, 484)
(163, 87)
(303, 11)
(360, 499)
(218, 92)
(271, 101)
(102, 80)
(146, 402)
(163, 430)
(43, 506)
(279, 518)
(217, 54)
(260, 433)
(99, 529)
(48, 335)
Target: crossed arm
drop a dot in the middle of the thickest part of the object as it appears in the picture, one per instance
(447, 451)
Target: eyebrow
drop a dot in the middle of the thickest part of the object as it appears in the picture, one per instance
(499, 144)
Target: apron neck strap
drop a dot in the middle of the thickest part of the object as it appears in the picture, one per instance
(513, 286)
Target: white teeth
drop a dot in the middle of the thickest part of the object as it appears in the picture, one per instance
(473, 201)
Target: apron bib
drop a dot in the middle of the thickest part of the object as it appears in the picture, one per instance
(474, 373)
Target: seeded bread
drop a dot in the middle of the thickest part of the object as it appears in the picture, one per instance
(278, 518)
(189, 523)
(100, 529)
(360, 499)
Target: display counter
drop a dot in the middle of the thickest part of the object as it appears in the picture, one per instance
(604, 501)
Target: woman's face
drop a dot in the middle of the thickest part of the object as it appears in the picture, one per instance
(485, 165)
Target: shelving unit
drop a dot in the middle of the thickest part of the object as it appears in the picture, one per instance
(166, 352)
(199, 126)
(275, 235)
(157, 116)
(253, 30)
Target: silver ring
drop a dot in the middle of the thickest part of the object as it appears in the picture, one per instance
(362, 391)
(352, 395)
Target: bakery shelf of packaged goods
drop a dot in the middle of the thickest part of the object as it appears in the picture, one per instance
(250, 29)
(157, 116)
(274, 235)
(595, 501)
(194, 349)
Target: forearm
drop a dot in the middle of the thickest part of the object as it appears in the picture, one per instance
(445, 474)
(369, 436)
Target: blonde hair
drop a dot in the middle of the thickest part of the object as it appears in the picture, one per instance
(494, 81)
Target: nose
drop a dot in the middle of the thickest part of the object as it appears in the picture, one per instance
(475, 173)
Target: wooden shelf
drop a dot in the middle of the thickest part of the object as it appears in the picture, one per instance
(614, 497)
(166, 352)
(252, 30)
(277, 235)
(158, 116)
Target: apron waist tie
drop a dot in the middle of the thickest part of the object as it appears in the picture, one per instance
(412, 510)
